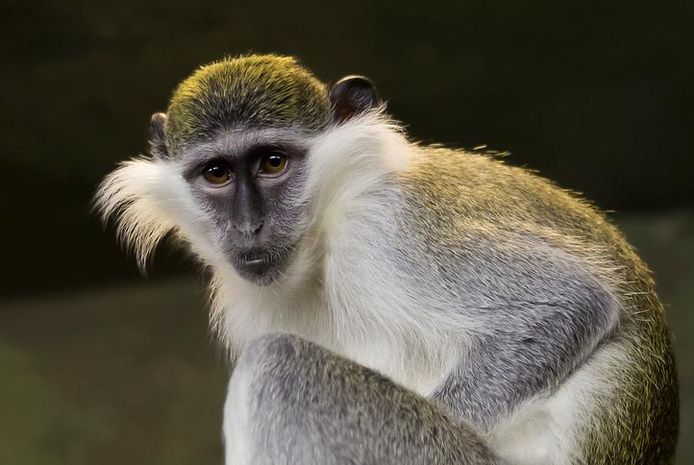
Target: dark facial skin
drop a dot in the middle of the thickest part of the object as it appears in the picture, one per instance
(244, 180)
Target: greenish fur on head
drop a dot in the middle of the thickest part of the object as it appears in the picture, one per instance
(253, 90)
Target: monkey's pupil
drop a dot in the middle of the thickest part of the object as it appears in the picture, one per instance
(217, 171)
(275, 161)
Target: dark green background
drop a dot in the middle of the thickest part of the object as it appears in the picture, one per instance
(96, 367)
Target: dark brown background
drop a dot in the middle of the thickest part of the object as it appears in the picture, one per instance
(99, 366)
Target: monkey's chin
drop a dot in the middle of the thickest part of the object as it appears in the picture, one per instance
(264, 278)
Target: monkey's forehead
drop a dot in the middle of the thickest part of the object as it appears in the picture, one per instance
(255, 90)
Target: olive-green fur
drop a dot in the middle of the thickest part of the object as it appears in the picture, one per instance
(255, 91)
(639, 425)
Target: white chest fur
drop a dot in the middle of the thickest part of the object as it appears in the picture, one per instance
(361, 317)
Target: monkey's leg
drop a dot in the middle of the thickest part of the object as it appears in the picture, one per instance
(293, 402)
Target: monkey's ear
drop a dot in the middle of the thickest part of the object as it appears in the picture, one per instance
(351, 96)
(157, 135)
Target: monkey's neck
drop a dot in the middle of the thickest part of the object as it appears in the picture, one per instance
(321, 312)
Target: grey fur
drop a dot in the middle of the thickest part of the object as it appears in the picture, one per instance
(309, 406)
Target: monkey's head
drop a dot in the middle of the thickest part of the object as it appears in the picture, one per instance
(239, 131)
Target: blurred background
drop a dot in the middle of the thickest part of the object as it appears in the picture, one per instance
(98, 365)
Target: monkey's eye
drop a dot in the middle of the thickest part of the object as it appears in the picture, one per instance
(217, 172)
(272, 164)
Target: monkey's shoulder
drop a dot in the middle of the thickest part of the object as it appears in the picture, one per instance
(451, 195)
(449, 173)
(455, 184)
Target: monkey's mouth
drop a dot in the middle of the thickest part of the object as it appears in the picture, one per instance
(261, 266)
(255, 257)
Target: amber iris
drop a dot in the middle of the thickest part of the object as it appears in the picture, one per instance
(274, 163)
(217, 172)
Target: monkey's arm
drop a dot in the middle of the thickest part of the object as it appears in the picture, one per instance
(293, 402)
(545, 309)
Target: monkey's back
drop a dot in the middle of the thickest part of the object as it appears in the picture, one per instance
(639, 424)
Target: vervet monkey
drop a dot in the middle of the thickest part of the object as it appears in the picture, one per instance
(388, 302)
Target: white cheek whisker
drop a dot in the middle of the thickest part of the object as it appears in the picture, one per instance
(148, 199)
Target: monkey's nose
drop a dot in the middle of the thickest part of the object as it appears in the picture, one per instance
(249, 229)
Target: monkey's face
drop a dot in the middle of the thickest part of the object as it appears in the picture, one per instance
(248, 183)
(239, 131)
